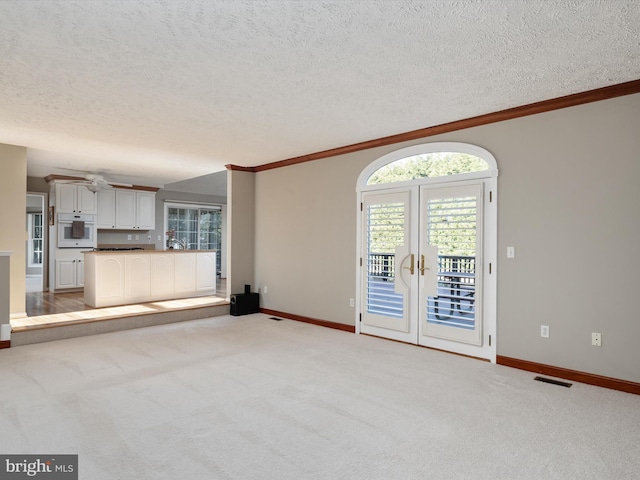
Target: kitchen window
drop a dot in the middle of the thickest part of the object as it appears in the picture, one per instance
(194, 227)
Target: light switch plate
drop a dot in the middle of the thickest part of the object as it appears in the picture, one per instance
(511, 252)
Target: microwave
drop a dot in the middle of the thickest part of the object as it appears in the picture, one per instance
(76, 231)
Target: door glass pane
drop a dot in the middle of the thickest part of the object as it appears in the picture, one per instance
(36, 232)
(385, 232)
(451, 226)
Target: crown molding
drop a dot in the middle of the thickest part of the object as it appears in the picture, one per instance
(238, 168)
(605, 93)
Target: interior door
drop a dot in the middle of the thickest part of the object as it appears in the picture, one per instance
(451, 239)
(389, 265)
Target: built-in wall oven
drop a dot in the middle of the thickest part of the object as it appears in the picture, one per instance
(76, 231)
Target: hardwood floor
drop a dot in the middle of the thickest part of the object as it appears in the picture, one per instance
(46, 303)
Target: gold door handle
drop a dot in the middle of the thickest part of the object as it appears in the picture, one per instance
(411, 268)
(422, 267)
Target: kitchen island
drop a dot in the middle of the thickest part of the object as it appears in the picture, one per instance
(141, 276)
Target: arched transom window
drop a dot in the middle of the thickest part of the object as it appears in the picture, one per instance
(430, 165)
(430, 161)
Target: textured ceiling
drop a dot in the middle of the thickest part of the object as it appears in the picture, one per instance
(157, 91)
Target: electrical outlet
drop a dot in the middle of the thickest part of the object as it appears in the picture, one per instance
(352, 302)
(596, 339)
(159, 238)
(137, 237)
(266, 290)
(544, 331)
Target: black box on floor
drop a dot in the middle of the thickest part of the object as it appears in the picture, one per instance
(244, 303)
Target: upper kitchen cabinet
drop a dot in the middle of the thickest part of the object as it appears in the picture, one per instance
(146, 210)
(126, 215)
(106, 200)
(71, 198)
(124, 209)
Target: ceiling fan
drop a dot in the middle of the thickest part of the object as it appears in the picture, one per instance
(96, 182)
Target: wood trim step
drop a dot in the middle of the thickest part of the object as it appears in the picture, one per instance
(5, 344)
(314, 321)
(576, 376)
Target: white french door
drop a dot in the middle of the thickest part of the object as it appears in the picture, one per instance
(423, 267)
(389, 280)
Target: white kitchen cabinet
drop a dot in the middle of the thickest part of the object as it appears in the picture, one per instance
(146, 210)
(206, 271)
(125, 209)
(104, 280)
(106, 202)
(137, 278)
(86, 200)
(80, 272)
(162, 275)
(72, 198)
(185, 267)
(69, 273)
(66, 197)
(65, 274)
(132, 210)
(146, 276)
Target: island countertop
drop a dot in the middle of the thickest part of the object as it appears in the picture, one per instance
(142, 252)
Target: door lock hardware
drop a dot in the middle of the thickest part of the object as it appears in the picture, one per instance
(411, 268)
(423, 268)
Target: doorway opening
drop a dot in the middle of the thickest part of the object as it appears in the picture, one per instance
(37, 227)
(427, 248)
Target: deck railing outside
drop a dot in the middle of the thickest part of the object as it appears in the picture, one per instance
(383, 265)
(455, 303)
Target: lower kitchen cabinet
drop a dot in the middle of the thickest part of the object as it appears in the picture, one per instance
(162, 275)
(205, 265)
(69, 273)
(139, 277)
(185, 273)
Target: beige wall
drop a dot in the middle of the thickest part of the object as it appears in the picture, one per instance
(568, 200)
(13, 234)
(240, 230)
(5, 265)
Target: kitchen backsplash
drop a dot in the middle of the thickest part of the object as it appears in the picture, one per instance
(137, 238)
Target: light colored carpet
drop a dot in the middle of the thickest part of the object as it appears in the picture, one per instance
(253, 398)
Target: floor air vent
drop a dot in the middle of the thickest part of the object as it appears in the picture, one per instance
(553, 382)
(275, 318)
